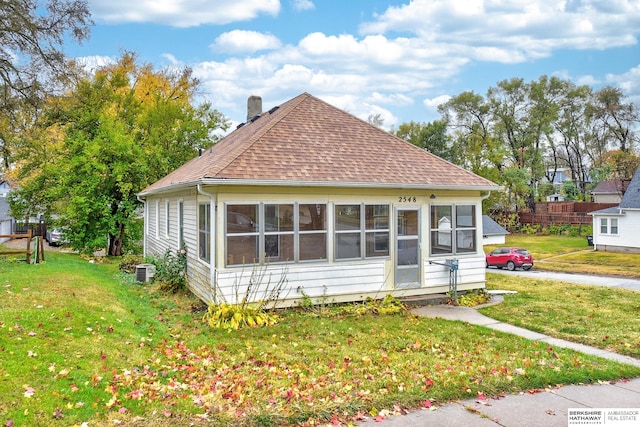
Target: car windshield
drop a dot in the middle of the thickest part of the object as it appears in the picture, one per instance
(522, 252)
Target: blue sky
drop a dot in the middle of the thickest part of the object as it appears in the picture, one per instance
(395, 58)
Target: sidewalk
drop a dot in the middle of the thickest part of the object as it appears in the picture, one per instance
(548, 408)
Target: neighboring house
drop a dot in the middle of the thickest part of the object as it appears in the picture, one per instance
(6, 221)
(560, 176)
(338, 208)
(616, 229)
(492, 232)
(610, 191)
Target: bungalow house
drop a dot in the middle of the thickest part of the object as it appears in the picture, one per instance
(616, 229)
(492, 232)
(315, 198)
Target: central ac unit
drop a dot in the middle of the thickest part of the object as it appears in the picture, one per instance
(145, 272)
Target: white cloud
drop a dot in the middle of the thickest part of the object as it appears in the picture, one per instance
(629, 82)
(406, 53)
(172, 59)
(92, 63)
(185, 13)
(514, 32)
(239, 41)
(433, 103)
(302, 5)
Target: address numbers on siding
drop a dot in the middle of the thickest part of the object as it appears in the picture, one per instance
(407, 199)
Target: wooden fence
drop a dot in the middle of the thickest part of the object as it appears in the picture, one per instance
(561, 213)
(29, 253)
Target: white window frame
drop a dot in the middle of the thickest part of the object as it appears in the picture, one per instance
(608, 225)
(167, 218)
(262, 233)
(180, 223)
(157, 219)
(204, 233)
(455, 229)
(363, 231)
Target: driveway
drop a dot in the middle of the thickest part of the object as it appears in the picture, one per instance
(586, 279)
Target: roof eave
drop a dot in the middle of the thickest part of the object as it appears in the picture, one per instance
(318, 184)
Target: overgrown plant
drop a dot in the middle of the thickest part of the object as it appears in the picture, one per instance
(129, 262)
(319, 305)
(473, 298)
(171, 270)
(252, 304)
(387, 306)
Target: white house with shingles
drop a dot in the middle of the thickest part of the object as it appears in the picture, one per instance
(492, 232)
(616, 229)
(338, 208)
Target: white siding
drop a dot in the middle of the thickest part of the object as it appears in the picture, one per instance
(471, 271)
(317, 281)
(496, 239)
(329, 281)
(627, 236)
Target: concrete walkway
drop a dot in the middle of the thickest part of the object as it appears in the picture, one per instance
(548, 408)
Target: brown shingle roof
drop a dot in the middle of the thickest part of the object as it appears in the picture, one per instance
(306, 140)
(615, 186)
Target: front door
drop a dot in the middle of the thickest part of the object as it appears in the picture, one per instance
(407, 259)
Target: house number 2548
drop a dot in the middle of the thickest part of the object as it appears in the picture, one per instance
(406, 199)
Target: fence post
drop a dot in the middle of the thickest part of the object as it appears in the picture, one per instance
(29, 246)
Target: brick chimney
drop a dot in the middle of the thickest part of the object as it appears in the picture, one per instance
(254, 107)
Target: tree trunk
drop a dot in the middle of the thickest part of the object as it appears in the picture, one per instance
(115, 242)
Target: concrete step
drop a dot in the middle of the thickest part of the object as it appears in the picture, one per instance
(422, 300)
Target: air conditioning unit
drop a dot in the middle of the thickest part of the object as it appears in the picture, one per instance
(145, 272)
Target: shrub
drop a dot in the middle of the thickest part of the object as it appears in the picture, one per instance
(129, 262)
(254, 303)
(473, 298)
(171, 270)
(230, 316)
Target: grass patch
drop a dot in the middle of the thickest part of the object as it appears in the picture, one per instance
(598, 316)
(77, 344)
(572, 255)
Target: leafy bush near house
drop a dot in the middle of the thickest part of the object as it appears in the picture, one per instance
(129, 262)
(230, 316)
(171, 270)
(473, 298)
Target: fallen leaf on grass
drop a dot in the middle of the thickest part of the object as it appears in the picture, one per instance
(62, 374)
(29, 391)
(57, 414)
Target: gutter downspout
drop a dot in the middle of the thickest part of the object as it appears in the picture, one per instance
(212, 232)
(482, 198)
(145, 224)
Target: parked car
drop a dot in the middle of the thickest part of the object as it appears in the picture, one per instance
(511, 258)
(54, 236)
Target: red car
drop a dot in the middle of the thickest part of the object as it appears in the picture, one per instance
(511, 258)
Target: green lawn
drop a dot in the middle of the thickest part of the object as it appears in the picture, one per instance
(80, 344)
(573, 255)
(598, 316)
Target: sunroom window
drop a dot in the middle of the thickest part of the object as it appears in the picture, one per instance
(453, 229)
(312, 232)
(243, 232)
(357, 223)
(204, 231)
(269, 232)
(278, 232)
